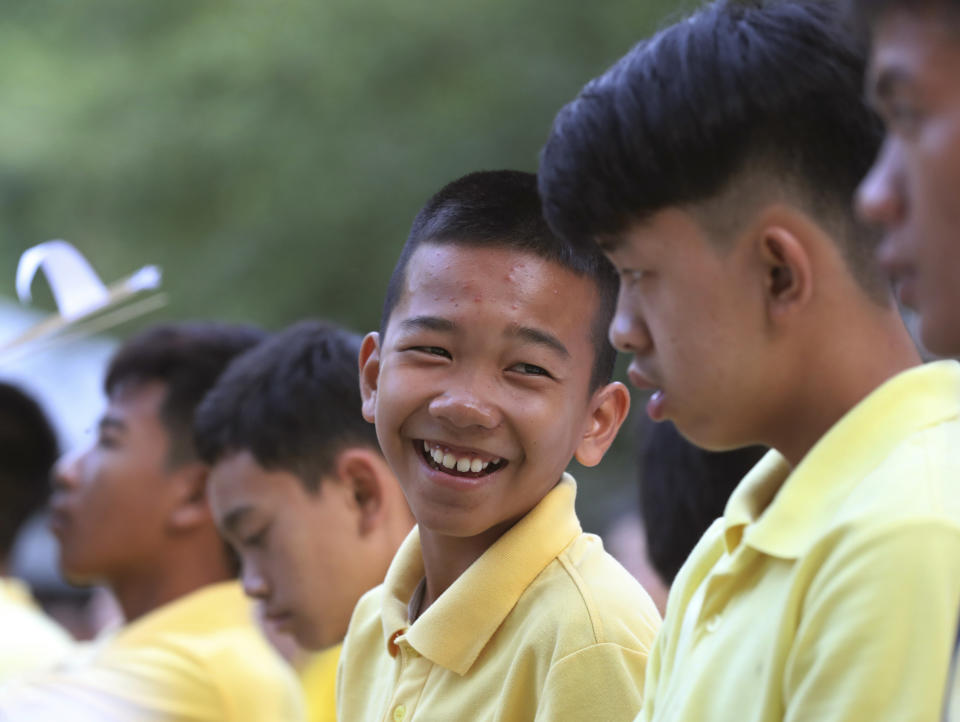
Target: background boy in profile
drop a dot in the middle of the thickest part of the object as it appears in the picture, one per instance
(28, 451)
(913, 189)
(300, 489)
(752, 306)
(490, 372)
(131, 512)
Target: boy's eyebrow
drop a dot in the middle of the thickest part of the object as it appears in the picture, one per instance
(609, 243)
(235, 517)
(427, 323)
(541, 338)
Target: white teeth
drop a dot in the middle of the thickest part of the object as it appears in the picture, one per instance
(449, 461)
(484, 465)
(426, 447)
(463, 464)
(437, 456)
(475, 466)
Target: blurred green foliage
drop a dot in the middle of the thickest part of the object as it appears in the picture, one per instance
(269, 156)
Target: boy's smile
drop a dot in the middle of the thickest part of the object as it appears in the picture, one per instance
(480, 388)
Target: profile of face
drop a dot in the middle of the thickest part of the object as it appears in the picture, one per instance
(480, 389)
(307, 556)
(109, 512)
(692, 315)
(913, 189)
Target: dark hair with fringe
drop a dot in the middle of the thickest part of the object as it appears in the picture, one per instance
(738, 87)
(293, 402)
(187, 358)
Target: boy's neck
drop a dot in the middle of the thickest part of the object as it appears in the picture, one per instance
(445, 558)
(842, 375)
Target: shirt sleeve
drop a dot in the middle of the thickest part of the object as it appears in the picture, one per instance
(602, 682)
(876, 631)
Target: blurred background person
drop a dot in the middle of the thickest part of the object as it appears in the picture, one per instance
(299, 487)
(28, 449)
(130, 511)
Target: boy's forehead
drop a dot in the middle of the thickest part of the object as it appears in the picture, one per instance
(484, 270)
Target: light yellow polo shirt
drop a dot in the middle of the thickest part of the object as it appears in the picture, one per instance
(829, 593)
(319, 679)
(29, 640)
(545, 625)
(200, 658)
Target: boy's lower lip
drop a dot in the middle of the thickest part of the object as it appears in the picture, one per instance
(655, 406)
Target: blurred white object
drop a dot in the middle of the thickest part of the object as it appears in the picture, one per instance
(85, 304)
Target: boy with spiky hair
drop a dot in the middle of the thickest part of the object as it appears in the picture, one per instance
(490, 373)
(715, 165)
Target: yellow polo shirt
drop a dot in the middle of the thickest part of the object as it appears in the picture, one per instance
(545, 625)
(200, 658)
(29, 640)
(829, 592)
(319, 679)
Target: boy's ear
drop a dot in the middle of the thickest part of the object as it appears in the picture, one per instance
(369, 361)
(787, 268)
(364, 475)
(190, 506)
(608, 409)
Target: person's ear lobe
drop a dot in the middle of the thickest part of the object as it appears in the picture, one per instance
(608, 410)
(787, 269)
(190, 506)
(369, 362)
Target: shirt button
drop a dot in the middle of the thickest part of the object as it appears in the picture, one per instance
(399, 712)
(713, 623)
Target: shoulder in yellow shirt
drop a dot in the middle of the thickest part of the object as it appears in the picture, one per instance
(29, 640)
(829, 592)
(201, 658)
(545, 625)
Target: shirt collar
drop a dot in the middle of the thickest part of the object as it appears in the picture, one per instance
(200, 612)
(781, 513)
(457, 626)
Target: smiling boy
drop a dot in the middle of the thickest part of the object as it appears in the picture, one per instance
(752, 306)
(489, 374)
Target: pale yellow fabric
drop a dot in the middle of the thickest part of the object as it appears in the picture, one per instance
(319, 679)
(545, 625)
(29, 640)
(199, 659)
(829, 593)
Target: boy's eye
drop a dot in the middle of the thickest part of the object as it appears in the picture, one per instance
(256, 539)
(531, 370)
(432, 351)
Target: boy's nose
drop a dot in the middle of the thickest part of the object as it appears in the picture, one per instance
(880, 199)
(66, 472)
(628, 332)
(465, 407)
(254, 583)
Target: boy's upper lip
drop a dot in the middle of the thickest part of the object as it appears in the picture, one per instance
(639, 378)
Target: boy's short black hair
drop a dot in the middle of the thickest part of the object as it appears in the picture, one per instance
(28, 451)
(293, 403)
(683, 489)
(501, 209)
(187, 358)
(764, 96)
